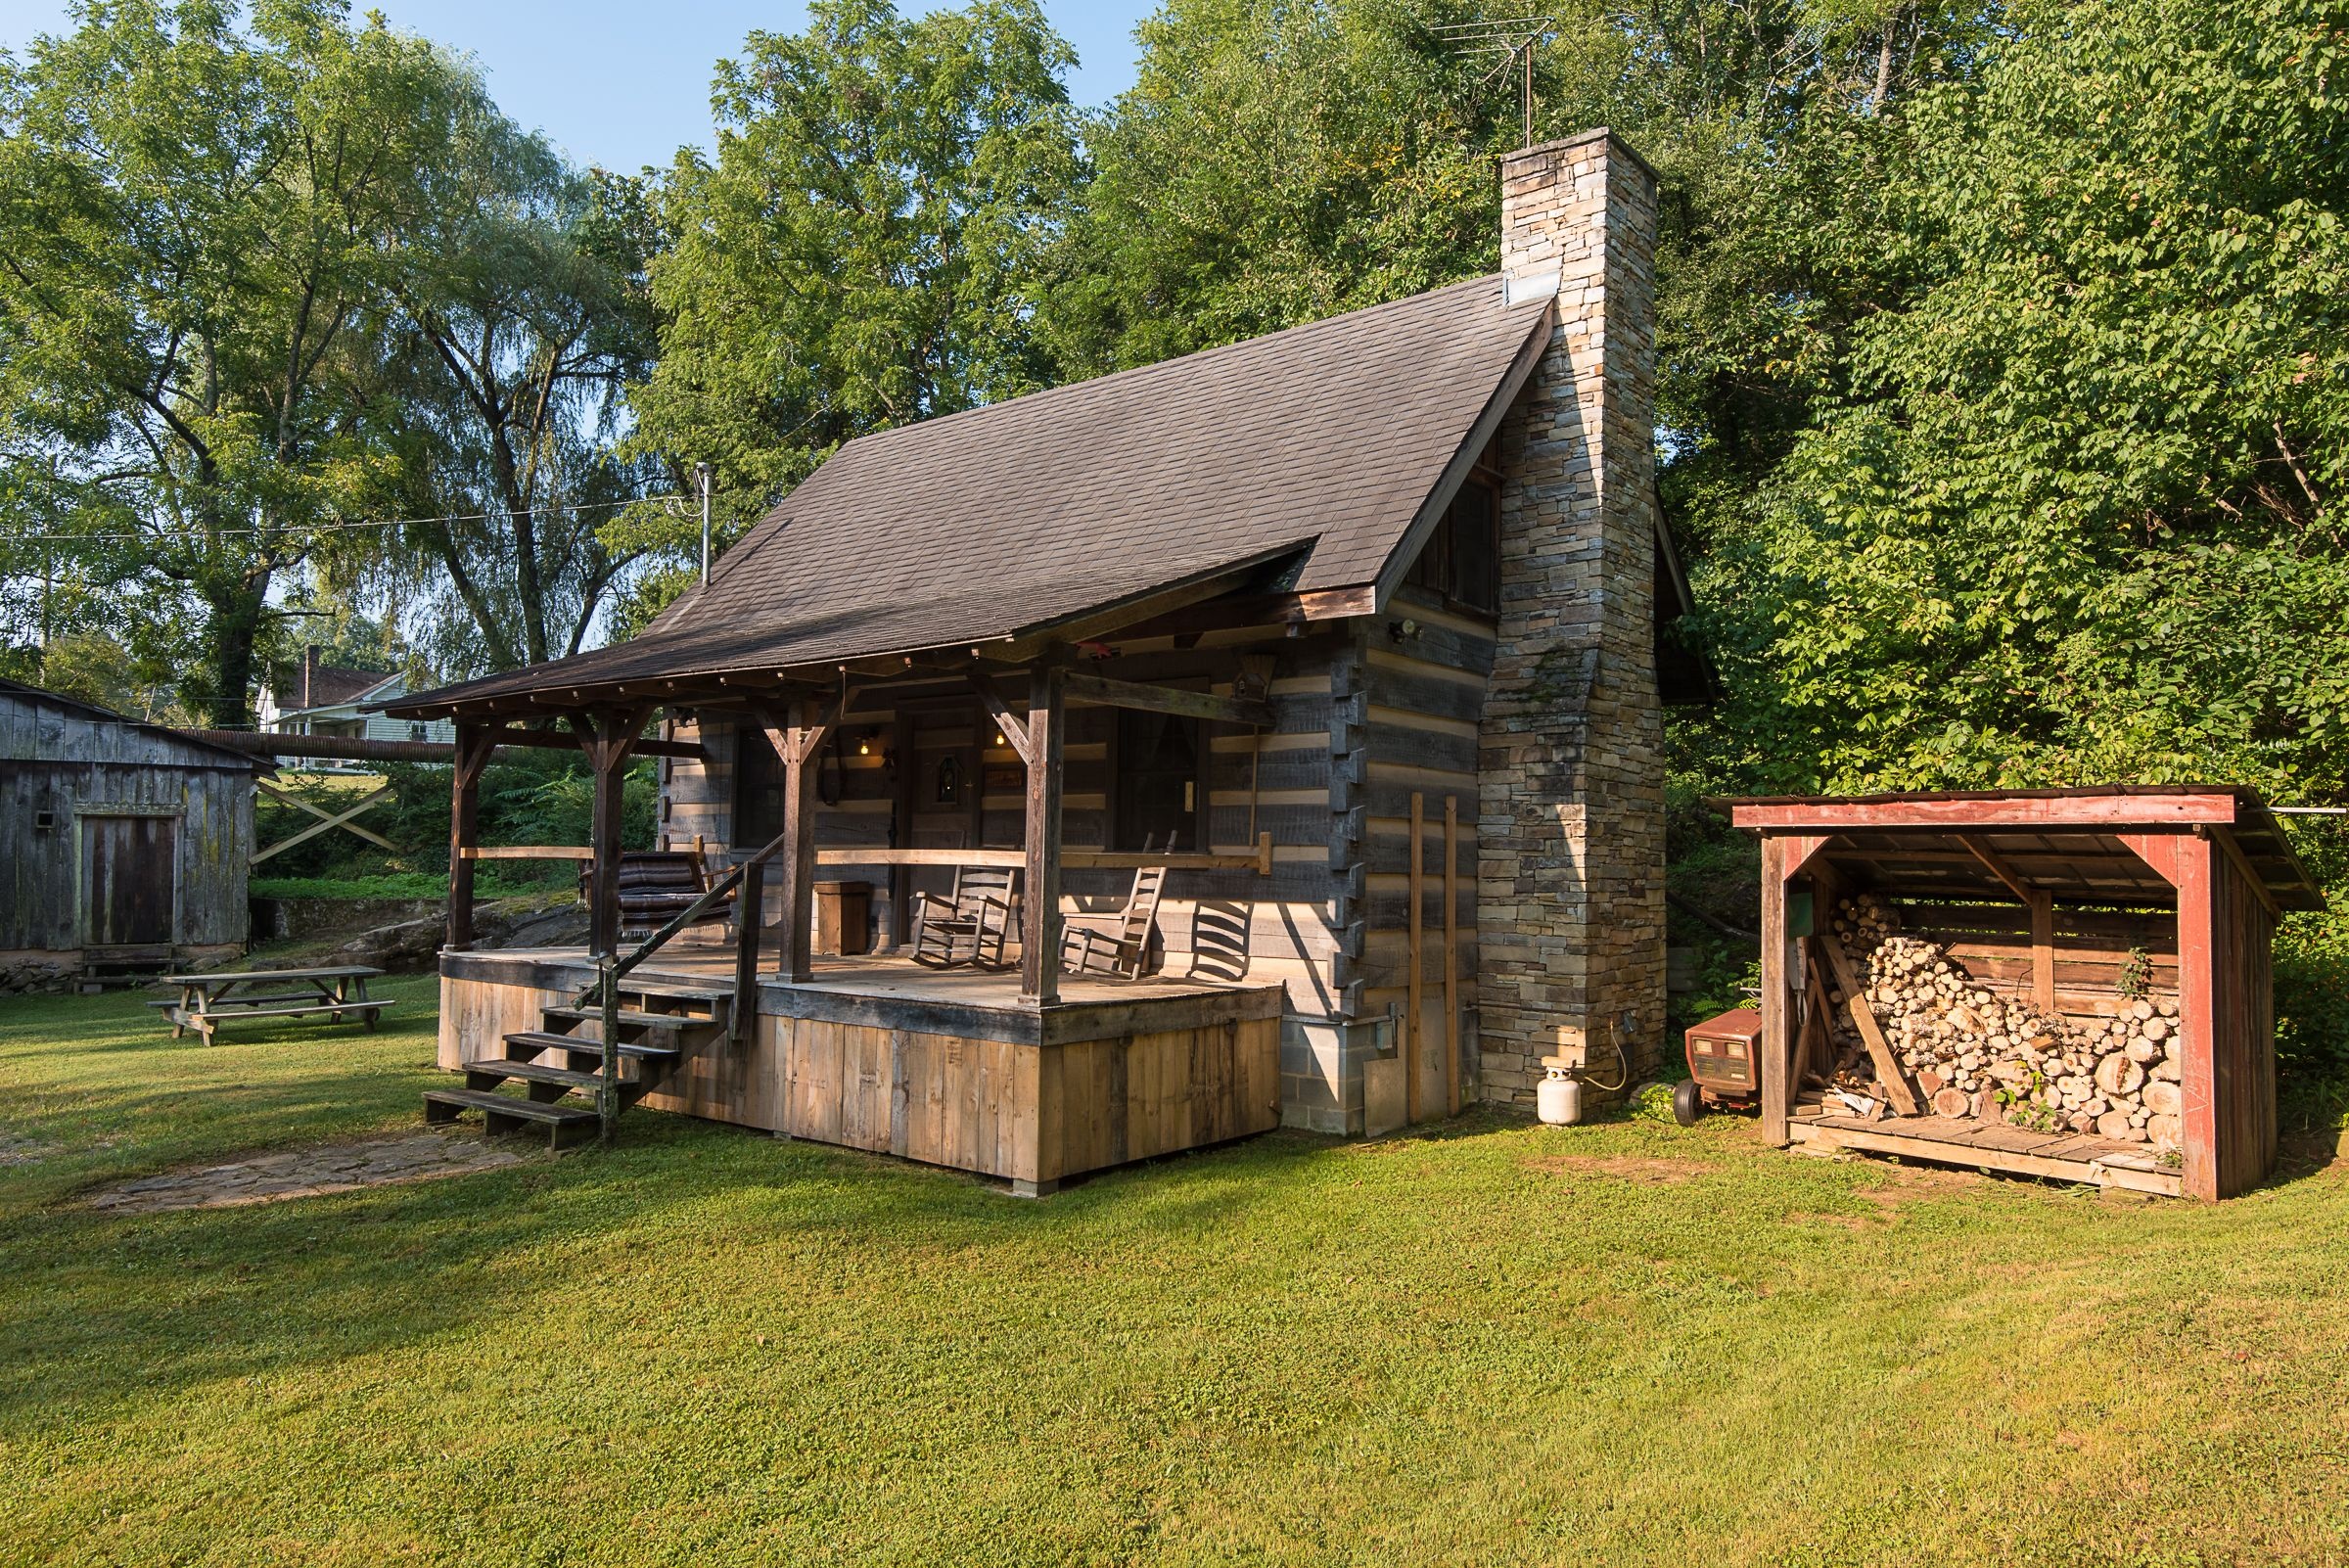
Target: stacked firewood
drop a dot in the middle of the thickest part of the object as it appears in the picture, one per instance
(1979, 1053)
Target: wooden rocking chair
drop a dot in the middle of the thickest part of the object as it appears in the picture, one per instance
(970, 925)
(1122, 950)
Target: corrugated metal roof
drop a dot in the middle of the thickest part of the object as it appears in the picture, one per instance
(37, 747)
(1326, 438)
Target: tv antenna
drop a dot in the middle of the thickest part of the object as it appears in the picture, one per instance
(1510, 42)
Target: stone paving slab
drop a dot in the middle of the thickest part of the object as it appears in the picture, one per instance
(309, 1173)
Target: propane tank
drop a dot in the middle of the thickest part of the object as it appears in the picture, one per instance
(1558, 1100)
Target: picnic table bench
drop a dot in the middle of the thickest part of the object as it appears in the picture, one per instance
(206, 1001)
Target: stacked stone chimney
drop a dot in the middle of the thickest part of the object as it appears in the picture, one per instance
(1570, 873)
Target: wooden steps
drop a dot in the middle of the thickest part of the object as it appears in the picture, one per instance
(490, 1070)
(634, 1050)
(631, 1019)
(562, 1124)
(654, 1043)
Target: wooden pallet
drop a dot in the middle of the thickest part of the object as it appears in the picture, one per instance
(1989, 1146)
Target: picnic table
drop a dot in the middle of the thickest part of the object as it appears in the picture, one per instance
(206, 1001)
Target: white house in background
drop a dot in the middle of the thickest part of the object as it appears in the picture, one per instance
(326, 699)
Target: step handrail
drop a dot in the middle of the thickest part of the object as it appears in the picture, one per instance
(604, 992)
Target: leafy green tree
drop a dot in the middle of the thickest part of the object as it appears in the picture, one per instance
(860, 252)
(1275, 165)
(195, 216)
(2069, 517)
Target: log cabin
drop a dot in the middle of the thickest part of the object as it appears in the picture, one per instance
(1353, 628)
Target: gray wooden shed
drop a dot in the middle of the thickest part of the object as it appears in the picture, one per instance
(125, 845)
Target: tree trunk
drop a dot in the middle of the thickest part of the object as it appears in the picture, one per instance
(235, 605)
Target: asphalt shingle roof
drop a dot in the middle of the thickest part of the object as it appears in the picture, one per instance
(1327, 438)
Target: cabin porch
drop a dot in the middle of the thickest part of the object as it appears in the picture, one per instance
(947, 1067)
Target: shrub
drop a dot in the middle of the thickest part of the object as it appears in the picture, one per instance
(2312, 1018)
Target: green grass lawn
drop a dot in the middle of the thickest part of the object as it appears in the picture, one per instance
(1494, 1344)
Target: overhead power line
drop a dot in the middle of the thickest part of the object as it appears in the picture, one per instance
(196, 535)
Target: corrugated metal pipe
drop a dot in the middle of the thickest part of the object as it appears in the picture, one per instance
(361, 749)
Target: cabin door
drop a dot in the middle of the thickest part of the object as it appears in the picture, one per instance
(128, 866)
(944, 803)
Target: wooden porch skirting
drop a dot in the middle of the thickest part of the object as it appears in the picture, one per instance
(944, 1068)
(2060, 1156)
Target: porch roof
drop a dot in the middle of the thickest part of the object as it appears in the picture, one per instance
(1302, 461)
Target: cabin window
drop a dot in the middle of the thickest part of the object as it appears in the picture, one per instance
(758, 789)
(1461, 560)
(1161, 792)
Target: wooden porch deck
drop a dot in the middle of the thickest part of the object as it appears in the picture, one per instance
(949, 1066)
(2062, 1156)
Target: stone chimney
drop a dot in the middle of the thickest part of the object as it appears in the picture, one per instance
(309, 672)
(1570, 860)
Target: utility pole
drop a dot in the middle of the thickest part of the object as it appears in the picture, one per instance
(701, 472)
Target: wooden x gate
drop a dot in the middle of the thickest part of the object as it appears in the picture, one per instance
(327, 821)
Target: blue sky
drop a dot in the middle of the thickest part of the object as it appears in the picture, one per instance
(622, 85)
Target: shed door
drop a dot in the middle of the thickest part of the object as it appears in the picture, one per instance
(128, 866)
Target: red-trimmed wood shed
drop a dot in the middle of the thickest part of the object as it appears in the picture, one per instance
(2057, 896)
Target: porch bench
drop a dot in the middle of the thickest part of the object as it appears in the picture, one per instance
(657, 885)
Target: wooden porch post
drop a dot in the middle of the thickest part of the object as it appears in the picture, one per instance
(798, 867)
(606, 738)
(901, 829)
(1039, 916)
(750, 914)
(797, 742)
(1777, 1032)
(474, 745)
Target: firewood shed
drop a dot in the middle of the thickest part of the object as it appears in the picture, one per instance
(2072, 983)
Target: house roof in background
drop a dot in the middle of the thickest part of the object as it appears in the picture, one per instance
(332, 686)
(1324, 442)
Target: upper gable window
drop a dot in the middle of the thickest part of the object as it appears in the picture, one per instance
(1462, 558)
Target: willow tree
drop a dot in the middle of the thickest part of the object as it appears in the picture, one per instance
(519, 316)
